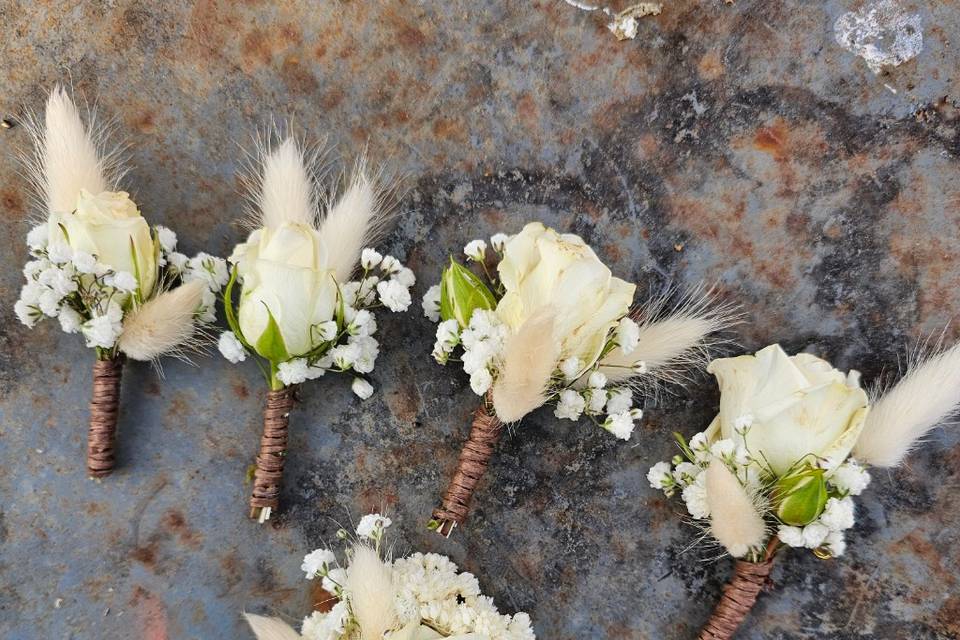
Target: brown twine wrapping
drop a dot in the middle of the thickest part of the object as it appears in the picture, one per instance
(268, 475)
(739, 596)
(104, 408)
(474, 458)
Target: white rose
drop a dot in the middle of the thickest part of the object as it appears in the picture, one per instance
(109, 226)
(285, 274)
(800, 406)
(542, 268)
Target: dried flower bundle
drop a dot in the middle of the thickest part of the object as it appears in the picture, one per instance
(297, 310)
(787, 454)
(418, 597)
(544, 322)
(102, 270)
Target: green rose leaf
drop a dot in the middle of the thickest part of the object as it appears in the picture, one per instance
(270, 344)
(801, 496)
(462, 293)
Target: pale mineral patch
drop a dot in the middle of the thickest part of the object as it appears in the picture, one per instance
(882, 33)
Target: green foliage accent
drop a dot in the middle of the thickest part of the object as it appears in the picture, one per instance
(462, 293)
(270, 344)
(138, 294)
(800, 496)
(229, 311)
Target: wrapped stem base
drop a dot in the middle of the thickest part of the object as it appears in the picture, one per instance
(104, 409)
(739, 596)
(268, 475)
(474, 458)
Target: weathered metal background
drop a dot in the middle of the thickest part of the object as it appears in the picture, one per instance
(736, 143)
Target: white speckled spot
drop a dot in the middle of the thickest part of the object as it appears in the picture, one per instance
(881, 33)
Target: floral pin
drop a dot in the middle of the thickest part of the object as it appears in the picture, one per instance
(787, 454)
(417, 597)
(544, 321)
(102, 270)
(298, 310)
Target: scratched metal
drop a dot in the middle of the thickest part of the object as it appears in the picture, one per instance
(731, 143)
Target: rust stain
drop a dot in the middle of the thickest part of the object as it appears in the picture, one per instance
(152, 614)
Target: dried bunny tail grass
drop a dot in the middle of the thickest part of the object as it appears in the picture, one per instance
(280, 178)
(265, 628)
(735, 520)
(372, 592)
(360, 217)
(900, 416)
(164, 325)
(68, 156)
(530, 357)
(673, 343)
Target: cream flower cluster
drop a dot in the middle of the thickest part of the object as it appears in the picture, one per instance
(345, 341)
(430, 594)
(534, 273)
(91, 297)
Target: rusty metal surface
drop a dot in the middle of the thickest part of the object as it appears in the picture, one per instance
(736, 143)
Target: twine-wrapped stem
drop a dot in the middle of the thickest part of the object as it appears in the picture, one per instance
(268, 475)
(739, 596)
(474, 458)
(104, 408)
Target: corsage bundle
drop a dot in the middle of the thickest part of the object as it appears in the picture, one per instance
(544, 321)
(418, 597)
(787, 454)
(102, 270)
(298, 309)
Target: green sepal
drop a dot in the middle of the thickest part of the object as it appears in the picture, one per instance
(801, 496)
(462, 293)
(229, 311)
(138, 294)
(63, 228)
(270, 344)
(684, 447)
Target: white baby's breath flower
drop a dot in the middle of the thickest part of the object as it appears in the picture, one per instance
(742, 423)
(406, 277)
(231, 348)
(49, 302)
(700, 447)
(70, 320)
(363, 323)
(814, 535)
(390, 265)
(178, 261)
(84, 262)
(59, 252)
(431, 303)
(571, 367)
(498, 241)
(597, 380)
(344, 355)
(34, 268)
(659, 476)
(361, 388)
(101, 331)
(370, 258)
(26, 313)
(293, 371)
(570, 405)
(596, 400)
(628, 335)
(640, 368)
(167, 239)
(850, 477)
(620, 400)
(620, 425)
(372, 526)
(838, 514)
(480, 381)
(686, 472)
(724, 449)
(317, 561)
(791, 536)
(695, 497)
(124, 281)
(210, 269)
(335, 580)
(61, 279)
(394, 295)
(475, 250)
(367, 356)
(836, 543)
(327, 331)
(37, 236)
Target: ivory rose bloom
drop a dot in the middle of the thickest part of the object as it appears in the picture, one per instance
(544, 270)
(106, 225)
(285, 270)
(791, 407)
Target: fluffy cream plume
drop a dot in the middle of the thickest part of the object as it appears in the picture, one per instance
(530, 357)
(671, 343)
(734, 519)
(926, 396)
(281, 183)
(270, 628)
(372, 592)
(69, 156)
(163, 325)
(356, 221)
